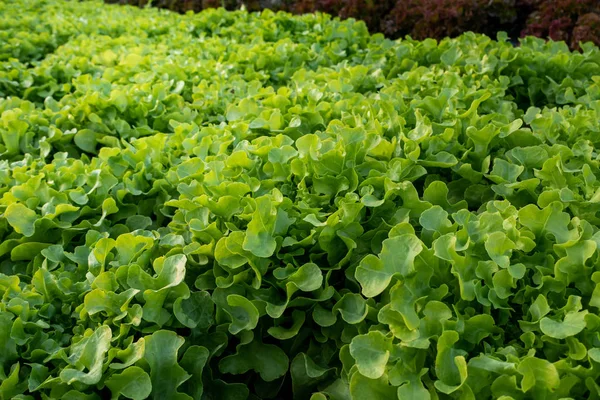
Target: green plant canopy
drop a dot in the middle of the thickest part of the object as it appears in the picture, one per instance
(260, 206)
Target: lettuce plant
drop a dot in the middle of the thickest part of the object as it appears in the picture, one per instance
(573, 21)
(227, 205)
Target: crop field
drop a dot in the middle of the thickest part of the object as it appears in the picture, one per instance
(232, 205)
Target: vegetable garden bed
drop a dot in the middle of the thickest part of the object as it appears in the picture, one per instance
(228, 205)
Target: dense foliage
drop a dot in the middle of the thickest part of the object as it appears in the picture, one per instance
(568, 20)
(573, 21)
(232, 205)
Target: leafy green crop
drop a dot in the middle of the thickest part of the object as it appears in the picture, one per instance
(260, 206)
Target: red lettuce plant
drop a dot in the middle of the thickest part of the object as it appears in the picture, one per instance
(573, 21)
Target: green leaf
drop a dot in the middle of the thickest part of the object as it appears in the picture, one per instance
(539, 308)
(435, 219)
(27, 251)
(195, 311)
(362, 387)
(130, 246)
(396, 257)
(229, 251)
(371, 352)
(165, 373)
(21, 218)
(573, 323)
(538, 373)
(307, 278)
(450, 365)
(133, 383)
(244, 314)
(323, 317)
(269, 361)
(478, 327)
(594, 354)
(227, 391)
(88, 354)
(259, 240)
(549, 220)
(499, 248)
(282, 333)
(194, 361)
(130, 355)
(306, 375)
(412, 391)
(352, 307)
(85, 139)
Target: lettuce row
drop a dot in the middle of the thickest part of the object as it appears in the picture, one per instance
(231, 205)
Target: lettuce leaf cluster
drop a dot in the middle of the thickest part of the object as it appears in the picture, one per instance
(263, 206)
